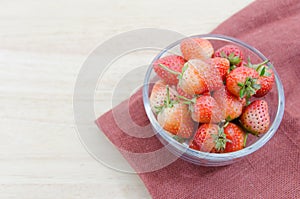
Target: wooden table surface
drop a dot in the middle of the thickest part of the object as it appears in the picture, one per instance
(42, 47)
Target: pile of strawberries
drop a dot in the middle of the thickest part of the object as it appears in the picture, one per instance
(208, 98)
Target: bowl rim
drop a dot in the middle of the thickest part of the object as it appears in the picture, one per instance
(215, 156)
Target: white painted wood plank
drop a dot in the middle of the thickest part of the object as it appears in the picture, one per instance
(42, 47)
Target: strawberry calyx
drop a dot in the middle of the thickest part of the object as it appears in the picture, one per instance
(168, 103)
(234, 60)
(261, 68)
(249, 87)
(220, 139)
(228, 118)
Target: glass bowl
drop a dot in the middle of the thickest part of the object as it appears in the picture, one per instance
(275, 99)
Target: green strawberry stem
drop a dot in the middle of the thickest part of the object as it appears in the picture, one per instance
(245, 139)
(186, 100)
(260, 68)
(262, 63)
(255, 66)
(168, 97)
(179, 75)
(169, 70)
(168, 103)
(158, 109)
(226, 124)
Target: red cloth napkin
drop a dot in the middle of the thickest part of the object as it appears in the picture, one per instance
(273, 27)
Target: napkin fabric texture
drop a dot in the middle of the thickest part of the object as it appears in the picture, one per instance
(273, 27)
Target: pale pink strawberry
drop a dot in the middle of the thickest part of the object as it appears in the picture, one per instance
(173, 62)
(196, 48)
(159, 94)
(191, 81)
(205, 109)
(184, 94)
(230, 105)
(222, 64)
(174, 117)
(199, 77)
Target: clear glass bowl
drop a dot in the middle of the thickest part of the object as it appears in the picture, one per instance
(275, 100)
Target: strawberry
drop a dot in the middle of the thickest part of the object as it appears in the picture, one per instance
(204, 109)
(196, 77)
(159, 94)
(210, 138)
(175, 118)
(184, 94)
(222, 64)
(236, 136)
(173, 62)
(266, 77)
(266, 80)
(231, 105)
(209, 73)
(255, 117)
(243, 82)
(196, 48)
(233, 53)
(200, 77)
(192, 81)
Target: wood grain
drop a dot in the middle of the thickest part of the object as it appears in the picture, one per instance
(42, 47)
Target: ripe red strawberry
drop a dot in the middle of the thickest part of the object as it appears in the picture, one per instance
(175, 118)
(233, 53)
(216, 139)
(266, 77)
(236, 136)
(173, 62)
(159, 94)
(230, 105)
(256, 118)
(266, 80)
(243, 82)
(205, 109)
(206, 139)
(222, 64)
(196, 48)
(203, 139)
